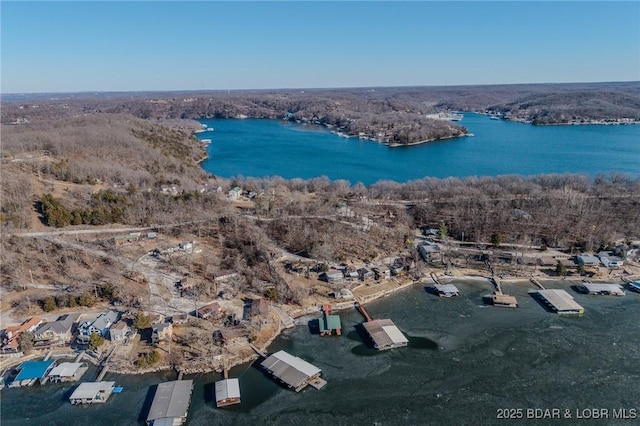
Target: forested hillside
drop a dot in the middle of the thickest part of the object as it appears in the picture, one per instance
(394, 115)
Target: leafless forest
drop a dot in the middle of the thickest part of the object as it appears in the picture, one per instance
(134, 162)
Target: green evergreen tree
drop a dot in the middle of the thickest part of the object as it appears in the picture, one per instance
(95, 341)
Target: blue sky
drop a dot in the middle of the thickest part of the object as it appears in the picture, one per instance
(126, 46)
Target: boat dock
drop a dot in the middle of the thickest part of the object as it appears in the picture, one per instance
(560, 302)
(500, 299)
(537, 283)
(383, 333)
(446, 290)
(171, 403)
(329, 324)
(105, 367)
(362, 311)
(292, 371)
(227, 392)
(603, 289)
(92, 393)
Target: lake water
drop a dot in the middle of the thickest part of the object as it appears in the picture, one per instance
(466, 362)
(259, 148)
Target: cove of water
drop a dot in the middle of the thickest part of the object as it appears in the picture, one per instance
(261, 148)
(464, 364)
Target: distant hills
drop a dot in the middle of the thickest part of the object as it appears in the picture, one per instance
(396, 115)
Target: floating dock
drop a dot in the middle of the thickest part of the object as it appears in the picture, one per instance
(504, 300)
(92, 393)
(500, 299)
(446, 290)
(604, 289)
(227, 392)
(560, 302)
(292, 371)
(170, 404)
(384, 334)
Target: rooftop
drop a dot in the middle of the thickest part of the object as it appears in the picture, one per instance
(385, 334)
(66, 369)
(292, 370)
(330, 322)
(89, 390)
(561, 301)
(614, 289)
(33, 369)
(171, 400)
(226, 389)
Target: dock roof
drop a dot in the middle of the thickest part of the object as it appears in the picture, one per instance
(385, 334)
(330, 322)
(171, 400)
(228, 388)
(290, 369)
(33, 369)
(89, 390)
(66, 369)
(560, 300)
(596, 288)
(446, 288)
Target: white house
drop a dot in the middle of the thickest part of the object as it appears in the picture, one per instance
(99, 325)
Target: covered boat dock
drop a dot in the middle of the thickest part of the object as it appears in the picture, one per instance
(170, 405)
(227, 392)
(446, 290)
(560, 302)
(294, 372)
(92, 393)
(604, 289)
(384, 334)
(31, 372)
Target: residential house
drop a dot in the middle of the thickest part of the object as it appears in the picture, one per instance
(11, 336)
(609, 260)
(212, 310)
(118, 332)
(99, 325)
(429, 252)
(364, 274)
(234, 193)
(588, 260)
(259, 307)
(331, 276)
(59, 331)
(161, 333)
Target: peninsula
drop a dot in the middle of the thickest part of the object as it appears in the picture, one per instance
(108, 211)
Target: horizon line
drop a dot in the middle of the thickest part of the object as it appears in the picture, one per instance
(290, 89)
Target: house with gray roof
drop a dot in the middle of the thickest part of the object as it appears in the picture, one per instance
(100, 325)
(59, 331)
